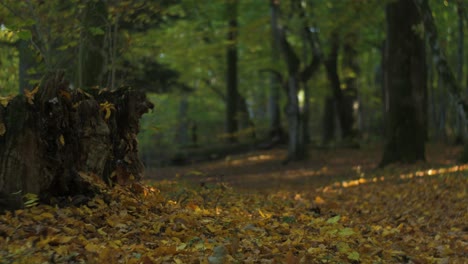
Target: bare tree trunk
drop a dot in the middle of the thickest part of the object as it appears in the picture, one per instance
(276, 130)
(350, 93)
(182, 134)
(460, 129)
(296, 147)
(331, 64)
(231, 74)
(461, 44)
(329, 113)
(406, 84)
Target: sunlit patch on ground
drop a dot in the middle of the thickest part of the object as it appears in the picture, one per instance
(430, 172)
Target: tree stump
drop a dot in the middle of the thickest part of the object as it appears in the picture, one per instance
(53, 138)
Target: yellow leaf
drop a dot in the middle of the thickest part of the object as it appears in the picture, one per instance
(4, 101)
(62, 140)
(334, 219)
(65, 94)
(47, 215)
(107, 108)
(101, 232)
(181, 246)
(93, 248)
(64, 239)
(211, 228)
(354, 256)
(319, 200)
(30, 94)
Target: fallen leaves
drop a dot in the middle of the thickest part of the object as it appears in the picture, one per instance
(29, 94)
(417, 220)
(107, 108)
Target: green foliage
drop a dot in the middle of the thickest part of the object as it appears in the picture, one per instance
(186, 39)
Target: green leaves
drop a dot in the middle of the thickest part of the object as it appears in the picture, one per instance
(25, 34)
(96, 31)
(334, 219)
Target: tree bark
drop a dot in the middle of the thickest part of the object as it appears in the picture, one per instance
(183, 127)
(350, 91)
(460, 128)
(331, 65)
(55, 139)
(406, 84)
(329, 113)
(231, 74)
(461, 44)
(276, 130)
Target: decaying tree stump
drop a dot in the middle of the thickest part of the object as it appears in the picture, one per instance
(53, 137)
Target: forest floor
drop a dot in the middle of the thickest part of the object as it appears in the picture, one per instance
(263, 170)
(335, 207)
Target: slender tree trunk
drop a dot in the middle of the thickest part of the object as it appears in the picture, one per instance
(296, 148)
(385, 102)
(350, 92)
(243, 115)
(305, 107)
(276, 131)
(461, 44)
(443, 106)
(183, 129)
(231, 74)
(305, 114)
(432, 111)
(329, 114)
(460, 129)
(331, 64)
(406, 83)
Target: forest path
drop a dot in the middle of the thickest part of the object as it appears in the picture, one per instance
(264, 171)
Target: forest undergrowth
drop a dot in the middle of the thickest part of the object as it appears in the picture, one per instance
(396, 216)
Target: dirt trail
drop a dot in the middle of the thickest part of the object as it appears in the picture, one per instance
(263, 170)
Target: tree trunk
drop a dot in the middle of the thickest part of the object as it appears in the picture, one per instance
(55, 140)
(461, 44)
(460, 129)
(350, 91)
(276, 131)
(296, 146)
(243, 116)
(406, 85)
(231, 75)
(183, 127)
(305, 114)
(329, 113)
(331, 64)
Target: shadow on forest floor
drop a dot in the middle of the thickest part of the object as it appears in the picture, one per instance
(263, 170)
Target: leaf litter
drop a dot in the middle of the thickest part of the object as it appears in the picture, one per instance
(411, 220)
